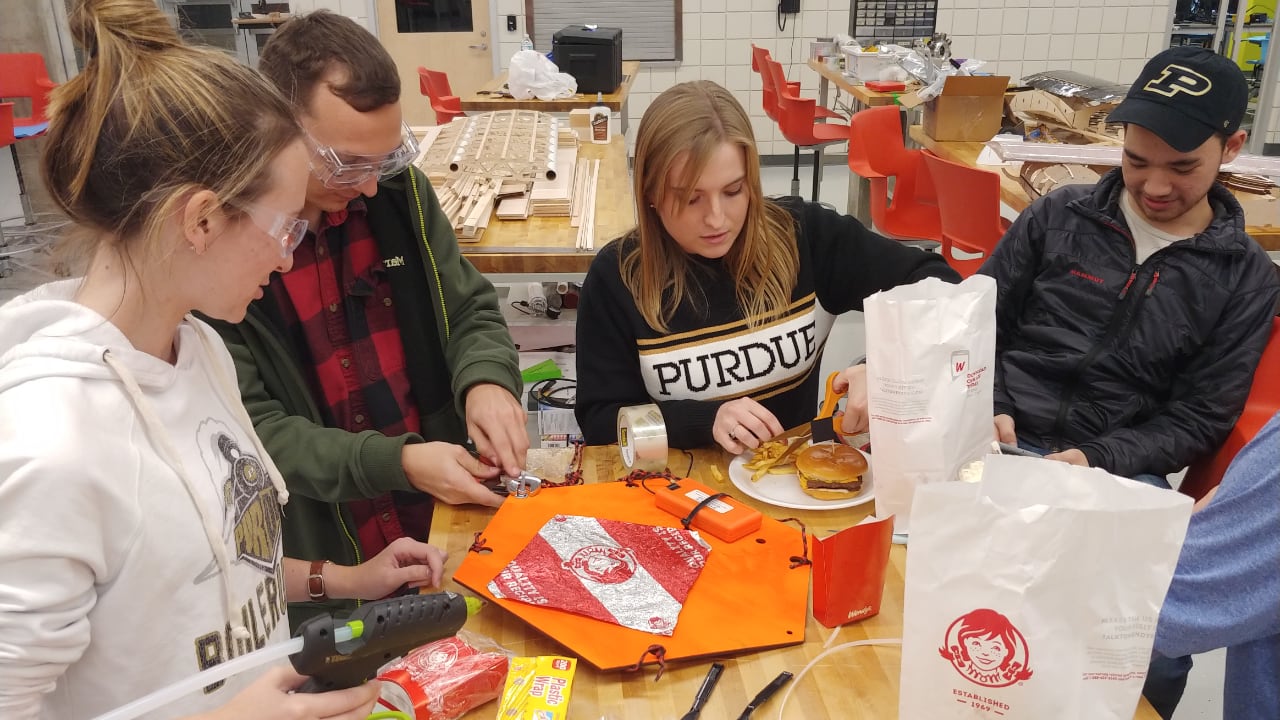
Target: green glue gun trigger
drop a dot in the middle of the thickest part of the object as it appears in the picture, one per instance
(380, 632)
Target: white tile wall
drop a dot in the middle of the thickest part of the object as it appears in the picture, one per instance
(1037, 35)
(1110, 39)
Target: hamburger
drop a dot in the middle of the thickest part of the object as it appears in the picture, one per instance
(830, 471)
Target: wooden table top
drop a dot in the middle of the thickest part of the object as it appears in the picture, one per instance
(1261, 212)
(479, 101)
(548, 244)
(870, 98)
(855, 684)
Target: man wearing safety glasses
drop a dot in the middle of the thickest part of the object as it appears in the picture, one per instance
(360, 364)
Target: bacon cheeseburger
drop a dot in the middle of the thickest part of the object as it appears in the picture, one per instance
(830, 471)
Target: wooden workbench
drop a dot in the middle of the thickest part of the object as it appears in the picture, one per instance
(856, 684)
(862, 96)
(486, 98)
(1261, 212)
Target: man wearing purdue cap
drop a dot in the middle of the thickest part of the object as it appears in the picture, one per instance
(1131, 314)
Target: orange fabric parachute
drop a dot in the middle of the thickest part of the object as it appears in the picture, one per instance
(747, 597)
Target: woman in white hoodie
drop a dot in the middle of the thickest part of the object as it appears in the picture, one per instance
(139, 515)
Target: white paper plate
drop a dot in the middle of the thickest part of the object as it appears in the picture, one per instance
(784, 490)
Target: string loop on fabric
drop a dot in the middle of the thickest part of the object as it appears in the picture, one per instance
(659, 653)
(803, 558)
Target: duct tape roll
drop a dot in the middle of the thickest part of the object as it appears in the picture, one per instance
(642, 438)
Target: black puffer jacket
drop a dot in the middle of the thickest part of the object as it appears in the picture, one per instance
(1142, 367)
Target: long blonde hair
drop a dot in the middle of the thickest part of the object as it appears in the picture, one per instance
(692, 120)
(151, 119)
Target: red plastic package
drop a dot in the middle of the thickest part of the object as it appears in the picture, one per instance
(446, 679)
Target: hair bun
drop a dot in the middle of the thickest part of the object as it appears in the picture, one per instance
(137, 23)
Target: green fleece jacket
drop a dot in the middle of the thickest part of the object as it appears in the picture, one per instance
(454, 337)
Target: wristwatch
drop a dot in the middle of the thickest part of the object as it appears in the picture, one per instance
(315, 581)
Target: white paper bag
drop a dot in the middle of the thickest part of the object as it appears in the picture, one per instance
(931, 349)
(1034, 593)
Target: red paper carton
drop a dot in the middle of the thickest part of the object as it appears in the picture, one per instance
(848, 572)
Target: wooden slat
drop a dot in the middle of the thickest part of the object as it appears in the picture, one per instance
(547, 244)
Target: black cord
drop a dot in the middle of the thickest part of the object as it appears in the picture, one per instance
(551, 393)
(688, 470)
(523, 307)
(782, 19)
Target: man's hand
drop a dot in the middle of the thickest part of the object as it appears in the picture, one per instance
(1004, 430)
(1070, 457)
(448, 473)
(743, 423)
(404, 562)
(496, 424)
(852, 383)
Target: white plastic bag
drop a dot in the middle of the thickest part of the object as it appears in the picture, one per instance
(1034, 593)
(532, 75)
(930, 354)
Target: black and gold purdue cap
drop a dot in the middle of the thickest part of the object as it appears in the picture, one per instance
(1185, 95)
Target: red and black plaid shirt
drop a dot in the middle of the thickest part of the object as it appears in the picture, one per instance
(338, 301)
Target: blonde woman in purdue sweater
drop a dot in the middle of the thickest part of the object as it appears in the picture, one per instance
(718, 305)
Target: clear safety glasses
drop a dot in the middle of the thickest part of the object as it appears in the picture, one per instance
(338, 170)
(284, 229)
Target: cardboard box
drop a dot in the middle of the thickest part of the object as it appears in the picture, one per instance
(970, 108)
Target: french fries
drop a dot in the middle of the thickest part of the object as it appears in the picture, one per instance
(764, 460)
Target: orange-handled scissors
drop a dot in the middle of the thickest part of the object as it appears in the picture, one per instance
(826, 426)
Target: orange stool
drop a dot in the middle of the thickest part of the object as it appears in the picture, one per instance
(435, 86)
(969, 206)
(23, 75)
(798, 119)
(877, 152)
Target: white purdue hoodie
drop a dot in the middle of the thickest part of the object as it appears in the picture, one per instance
(139, 515)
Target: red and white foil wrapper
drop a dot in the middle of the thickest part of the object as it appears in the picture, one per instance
(445, 679)
(636, 576)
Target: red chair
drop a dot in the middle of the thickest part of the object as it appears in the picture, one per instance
(969, 207)
(877, 152)
(23, 75)
(435, 86)
(1262, 404)
(6, 139)
(798, 120)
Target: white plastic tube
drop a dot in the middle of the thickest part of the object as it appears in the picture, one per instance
(800, 675)
(219, 672)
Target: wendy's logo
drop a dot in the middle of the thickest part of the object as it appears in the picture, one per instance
(603, 564)
(987, 649)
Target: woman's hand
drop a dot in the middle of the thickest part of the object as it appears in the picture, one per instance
(852, 382)
(743, 424)
(270, 698)
(404, 562)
